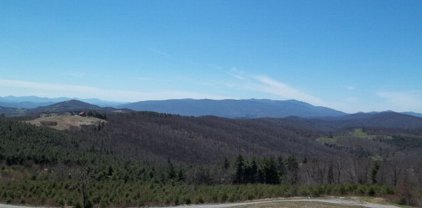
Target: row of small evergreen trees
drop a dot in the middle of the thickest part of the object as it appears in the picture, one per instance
(266, 171)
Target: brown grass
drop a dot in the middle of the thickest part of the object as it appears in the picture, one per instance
(66, 122)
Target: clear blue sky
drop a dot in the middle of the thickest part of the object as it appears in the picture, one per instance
(350, 55)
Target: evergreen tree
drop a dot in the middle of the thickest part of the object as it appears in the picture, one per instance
(261, 175)
(110, 171)
(281, 167)
(251, 171)
(171, 171)
(240, 170)
(374, 172)
(180, 176)
(330, 174)
(226, 164)
(271, 173)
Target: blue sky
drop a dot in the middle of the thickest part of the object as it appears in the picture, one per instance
(349, 55)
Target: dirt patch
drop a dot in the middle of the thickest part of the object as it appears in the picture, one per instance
(66, 122)
(296, 203)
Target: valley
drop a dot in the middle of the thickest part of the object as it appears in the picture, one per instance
(76, 154)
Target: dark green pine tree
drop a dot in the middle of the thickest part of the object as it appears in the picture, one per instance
(240, 170)
(171, 172)
(261, 175)
(253, 172)
(226, 164)
(281, 167)
(374, 172)
(271, 173)
(293, 169)
(330, 174)
(180, 176)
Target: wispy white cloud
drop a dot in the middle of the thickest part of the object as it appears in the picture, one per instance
(286, 91)
(20, 88)
(403, 100)
(268, 85)
(350, 104)
(238, 74)
(277, 89)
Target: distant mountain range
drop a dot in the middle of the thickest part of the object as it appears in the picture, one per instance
(413, 114)
(29, 102)
(252, 108)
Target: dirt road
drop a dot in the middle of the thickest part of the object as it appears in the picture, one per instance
(279, 202)
(294, 202)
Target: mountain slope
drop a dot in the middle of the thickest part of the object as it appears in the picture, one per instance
(386, 120)
(106, 163)
(253, 108)
(202, 140)
(11, 112)
(413, 114)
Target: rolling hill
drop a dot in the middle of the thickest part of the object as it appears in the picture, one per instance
(66, 106)
(12, 112)
(386, 120)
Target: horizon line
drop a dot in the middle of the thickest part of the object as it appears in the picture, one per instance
(86, 100)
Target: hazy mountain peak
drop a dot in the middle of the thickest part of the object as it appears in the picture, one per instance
(74, 103)
(231, 108)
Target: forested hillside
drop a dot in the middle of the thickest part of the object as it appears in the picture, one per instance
(143, 158)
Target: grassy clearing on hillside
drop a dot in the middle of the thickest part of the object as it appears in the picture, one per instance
(356, 133)
(327, 140)
(66, 122)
